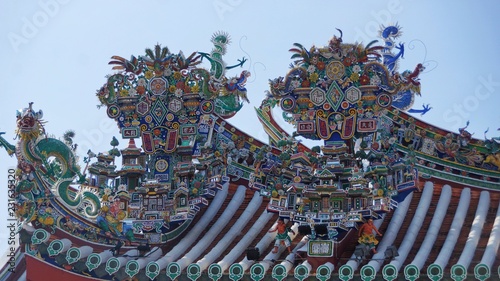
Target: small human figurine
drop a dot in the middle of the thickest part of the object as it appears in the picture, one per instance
(142, 213)
(102, 222)
(282, 236)
(366, 236)
(108, 223)
(71, 225)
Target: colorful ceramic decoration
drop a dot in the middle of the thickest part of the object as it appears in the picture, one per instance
(178, 151)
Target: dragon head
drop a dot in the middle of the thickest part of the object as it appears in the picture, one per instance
(29, 122)
(220, 40)
(389, 34)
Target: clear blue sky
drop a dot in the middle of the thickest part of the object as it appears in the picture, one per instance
(56, 54)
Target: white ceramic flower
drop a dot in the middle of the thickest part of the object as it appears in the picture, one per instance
(311, 69)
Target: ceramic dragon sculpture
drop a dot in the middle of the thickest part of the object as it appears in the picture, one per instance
(47, 168)
(218, 66)
(218, 80)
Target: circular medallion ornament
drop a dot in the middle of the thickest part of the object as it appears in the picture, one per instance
(161, 165)
(326, 106)
(170, 117)
(287, 104)
(297, 179)
(207, 107)
(384, 100)
(344, 105)
(158, 86)
(148, 119)
(113, 111)
(335, 70)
